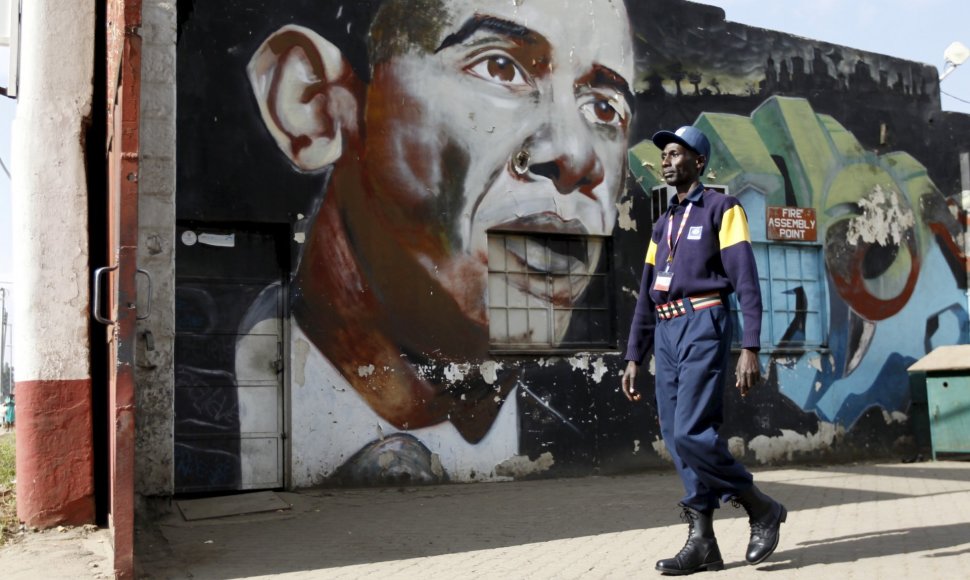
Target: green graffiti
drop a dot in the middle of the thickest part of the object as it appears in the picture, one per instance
(868, 205)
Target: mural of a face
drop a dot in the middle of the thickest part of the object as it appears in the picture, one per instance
(516, 121)
(478, 116)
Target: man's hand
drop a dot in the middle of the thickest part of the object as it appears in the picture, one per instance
(629, 377)
(748, 371)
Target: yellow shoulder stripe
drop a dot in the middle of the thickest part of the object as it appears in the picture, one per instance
(734, 228)
(651, 254)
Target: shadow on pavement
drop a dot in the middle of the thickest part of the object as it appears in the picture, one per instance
(861, 547)
(328, 529)
(335, 528)
(957, 471)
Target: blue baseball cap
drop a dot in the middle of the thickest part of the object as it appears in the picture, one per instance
(690, 137)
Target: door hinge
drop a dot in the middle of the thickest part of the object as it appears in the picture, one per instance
(278, 363)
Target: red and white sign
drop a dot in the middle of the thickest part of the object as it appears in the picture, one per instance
(792, 224)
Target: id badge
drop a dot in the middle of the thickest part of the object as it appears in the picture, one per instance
(662, 282)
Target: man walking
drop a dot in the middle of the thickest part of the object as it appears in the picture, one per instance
(700, 252)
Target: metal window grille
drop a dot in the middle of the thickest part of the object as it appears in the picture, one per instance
(792, 278)
(549, 292)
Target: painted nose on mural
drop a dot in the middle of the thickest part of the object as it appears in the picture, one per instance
(570, 171)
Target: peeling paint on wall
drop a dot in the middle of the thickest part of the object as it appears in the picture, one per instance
(521, 466)
(583, 362)
(599, 369)
(736, 446)
(815, 362)
(301, 349)
(456, 372)
(785, 446)
(625, 219)
(884, 220)
(894, 417)
(489, 370)
(579, 362)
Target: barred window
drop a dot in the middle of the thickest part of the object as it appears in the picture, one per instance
(792, 290)
(792, 279)
(659, 201)
(549, 292)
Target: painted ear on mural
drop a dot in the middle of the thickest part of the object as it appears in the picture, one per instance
(307, 95)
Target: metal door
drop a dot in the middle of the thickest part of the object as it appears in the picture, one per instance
(118, 308)
(229, 347)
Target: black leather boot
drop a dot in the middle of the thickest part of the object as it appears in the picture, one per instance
(765, 516)
(700, 553)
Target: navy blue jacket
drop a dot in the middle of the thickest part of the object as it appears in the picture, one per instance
(713, 254)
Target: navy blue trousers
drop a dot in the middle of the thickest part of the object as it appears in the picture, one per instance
(691, 354)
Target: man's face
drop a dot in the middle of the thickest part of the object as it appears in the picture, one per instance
(517, 121)
(680, 165)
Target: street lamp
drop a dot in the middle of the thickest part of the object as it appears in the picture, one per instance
(954, 55)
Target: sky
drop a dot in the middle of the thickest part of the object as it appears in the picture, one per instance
(917, 30)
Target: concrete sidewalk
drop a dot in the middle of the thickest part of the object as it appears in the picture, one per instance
(847, 521)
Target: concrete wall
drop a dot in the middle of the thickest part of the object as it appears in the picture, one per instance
(154, 374)
(53, 387)
(393, 368)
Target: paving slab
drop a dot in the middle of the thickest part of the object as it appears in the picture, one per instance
(851, 521)
(230, 505)
(860, 521)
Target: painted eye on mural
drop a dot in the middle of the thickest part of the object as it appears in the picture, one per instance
(603, 111)
(501, 69)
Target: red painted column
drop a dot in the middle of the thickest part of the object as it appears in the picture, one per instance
(55, 481)
(55, 454)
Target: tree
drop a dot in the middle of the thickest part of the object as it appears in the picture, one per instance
(695, 78)
(677, 75)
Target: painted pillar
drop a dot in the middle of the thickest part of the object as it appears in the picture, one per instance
(155, 336)
(55, 474)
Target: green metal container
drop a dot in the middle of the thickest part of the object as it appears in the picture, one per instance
(947, 372)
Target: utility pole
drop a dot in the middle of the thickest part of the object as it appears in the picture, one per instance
(3, 338)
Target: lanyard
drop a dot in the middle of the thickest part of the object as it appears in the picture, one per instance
(680, 230)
